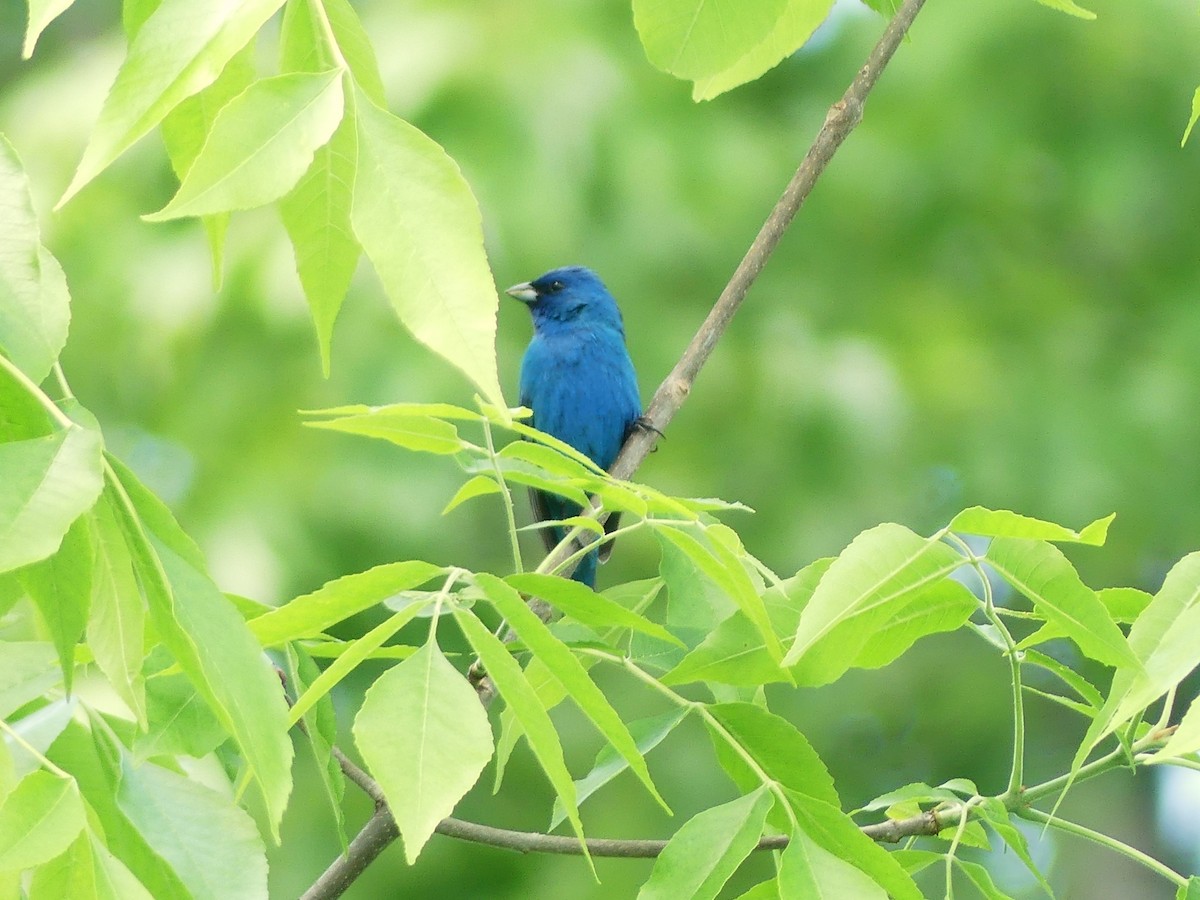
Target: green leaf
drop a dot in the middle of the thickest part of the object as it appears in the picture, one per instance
(1189, 891)
(321, 732)
(716, 563)
(1041, 572)
(94, 758)
(477, 486)
(359, 650)
(316, 214)
(1006, 523)
(34, 303)
(872, 580)
(574, 678)
(38, 731)
(776, 746)
(311, 614)
(522, 699)
(304, 46)
(917, 792)
(180, 722)
(61, 587)
(703, 854)
(86, 870)
(212, 844)
(794, 27)
(982, 879)
(697, 39)
(117, 625)
(425, 737)
(584, 605)
(733, 653)
(942, 606)
(1124, 604)
(180, 50)
(419, 224)
(413, 431)
(1195, 117)
(806, 869)
(648, 733)
(996, 815)
(832, 829)
(1070, 8)
(48, 483)
(30, 669)
(186, 128)
(261, 142)
(41, 14)
(551, 460)
(1163, 640)
(1077, 682)
(550, 693)
(209, 639)
(38, 820)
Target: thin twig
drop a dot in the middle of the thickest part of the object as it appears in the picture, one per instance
(841, 119)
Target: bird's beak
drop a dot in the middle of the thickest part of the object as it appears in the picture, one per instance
(523, 292)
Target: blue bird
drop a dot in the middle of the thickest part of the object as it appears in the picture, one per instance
(579, 381)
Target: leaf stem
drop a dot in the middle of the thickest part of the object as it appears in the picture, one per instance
(1017, 773)
(36, 392)
(505, 496)
(1036, 815)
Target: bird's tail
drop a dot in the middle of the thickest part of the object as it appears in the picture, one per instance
(585, 572)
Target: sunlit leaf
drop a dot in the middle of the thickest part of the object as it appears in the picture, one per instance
(1041, 572)
(212, 844)
(705, 852)
(833, 830)
(48, 483)
(701, 38)
(1070, 8)
(423, 433)
(419, 224)
(583, 604)
(425, 737)
(794, 27)
(776, 746)
(881, 571)
(34, 303)
(806, 869)
(1163, 640)
(86, 871)
(519, 696)
(30, 669)
(61, 586)
(310, 614)
(208, 638)
(181, 49)
(38, 820)
(1006, 523)
(565, 667)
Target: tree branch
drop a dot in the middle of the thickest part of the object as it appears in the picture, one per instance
(841, 119)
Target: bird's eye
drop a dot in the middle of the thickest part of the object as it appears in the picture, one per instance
(555, 286)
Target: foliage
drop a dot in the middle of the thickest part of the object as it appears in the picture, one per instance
(100, 790)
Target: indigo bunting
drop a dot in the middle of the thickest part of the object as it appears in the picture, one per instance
(578, 379)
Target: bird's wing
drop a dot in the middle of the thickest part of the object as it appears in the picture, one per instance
(540, 501)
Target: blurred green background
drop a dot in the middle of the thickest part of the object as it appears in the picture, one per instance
(991, 298)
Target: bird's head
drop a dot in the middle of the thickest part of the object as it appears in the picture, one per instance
(569, 294)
